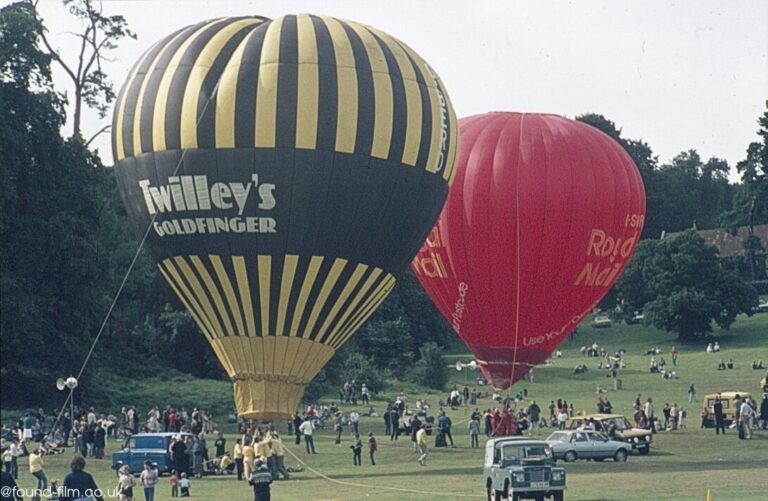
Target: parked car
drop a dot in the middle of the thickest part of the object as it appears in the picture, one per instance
(146, 446)
(640, 439)
(727, 398)
(762, 307)
(637, 318)
(521, 468)
(572, 445)
(601, 322)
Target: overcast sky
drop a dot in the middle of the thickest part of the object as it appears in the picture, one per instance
(677, 74)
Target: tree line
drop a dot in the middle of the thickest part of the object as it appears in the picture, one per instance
(66, 241)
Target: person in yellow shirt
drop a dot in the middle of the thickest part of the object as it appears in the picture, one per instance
(224, 463)
(249, 454)
(278, 452)
(421, 442)
(238, 456)
(36, 465)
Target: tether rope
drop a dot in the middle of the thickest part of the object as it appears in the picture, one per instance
(382, 487)
(129, 270)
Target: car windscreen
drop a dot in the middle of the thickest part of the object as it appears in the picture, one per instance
(149, 443)
(622, 423)
(518, 452)
(558, 436)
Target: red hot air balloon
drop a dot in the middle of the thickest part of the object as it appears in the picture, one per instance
(542, 217)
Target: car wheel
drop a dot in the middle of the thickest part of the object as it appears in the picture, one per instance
(558, 496)
(644, 450)
(620, 456)
(491, 496)
(570, 457)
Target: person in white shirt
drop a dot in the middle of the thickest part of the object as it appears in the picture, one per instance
(306, 429)
(746, 418)
(354, 419)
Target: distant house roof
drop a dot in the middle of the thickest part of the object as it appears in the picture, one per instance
(733, 245)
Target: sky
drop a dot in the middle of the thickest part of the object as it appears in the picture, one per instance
(680, 75)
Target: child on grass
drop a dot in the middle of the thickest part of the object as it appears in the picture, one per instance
(184, 482)
(174, 484)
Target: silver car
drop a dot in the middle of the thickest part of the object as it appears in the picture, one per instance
(571, 445)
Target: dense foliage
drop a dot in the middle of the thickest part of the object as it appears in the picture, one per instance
(66, 245)
(680, 286)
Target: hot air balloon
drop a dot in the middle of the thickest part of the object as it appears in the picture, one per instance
(285, 173)
(543, 216)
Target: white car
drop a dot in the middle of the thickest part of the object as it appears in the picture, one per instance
(601, 321)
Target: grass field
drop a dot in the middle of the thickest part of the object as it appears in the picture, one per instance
(682, 465)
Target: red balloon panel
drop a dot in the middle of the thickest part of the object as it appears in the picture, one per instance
(542, 217)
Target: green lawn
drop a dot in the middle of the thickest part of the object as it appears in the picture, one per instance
(682, 465)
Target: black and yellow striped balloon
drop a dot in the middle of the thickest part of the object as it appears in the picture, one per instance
(288, 170)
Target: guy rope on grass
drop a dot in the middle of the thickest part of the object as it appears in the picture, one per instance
(382, 487)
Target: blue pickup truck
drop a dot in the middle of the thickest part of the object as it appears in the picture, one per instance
(146, 446)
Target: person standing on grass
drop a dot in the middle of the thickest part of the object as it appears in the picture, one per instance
(279, 452)
(260, 480)
(673, 353)
(421, 440)
(719, 417)
(394, 423)
(764, 411)
(354, 420)
(444, 425)
(692, 394)
(78, 483)
(148, 480)
(296, 425)
(746, 416)
(9, 491)
(238, 454)
(36, 465)
(373, 446)
(174, 484)
(306, 429)
(649, 415)
(185, 484)
(220, 444)
(474, 432)
(357, 451)
(338, 427)
(249, 454)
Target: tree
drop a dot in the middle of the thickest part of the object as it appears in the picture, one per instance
(750, 203)
(430, 370)
(680, 286)
(92, 88)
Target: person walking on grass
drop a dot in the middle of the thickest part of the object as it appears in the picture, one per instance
(421, 441)
(357, 450)
(148, 480)
(373, 446)
(125, 484)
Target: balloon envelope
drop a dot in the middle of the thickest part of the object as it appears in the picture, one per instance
(543, 216)
(286, 172)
